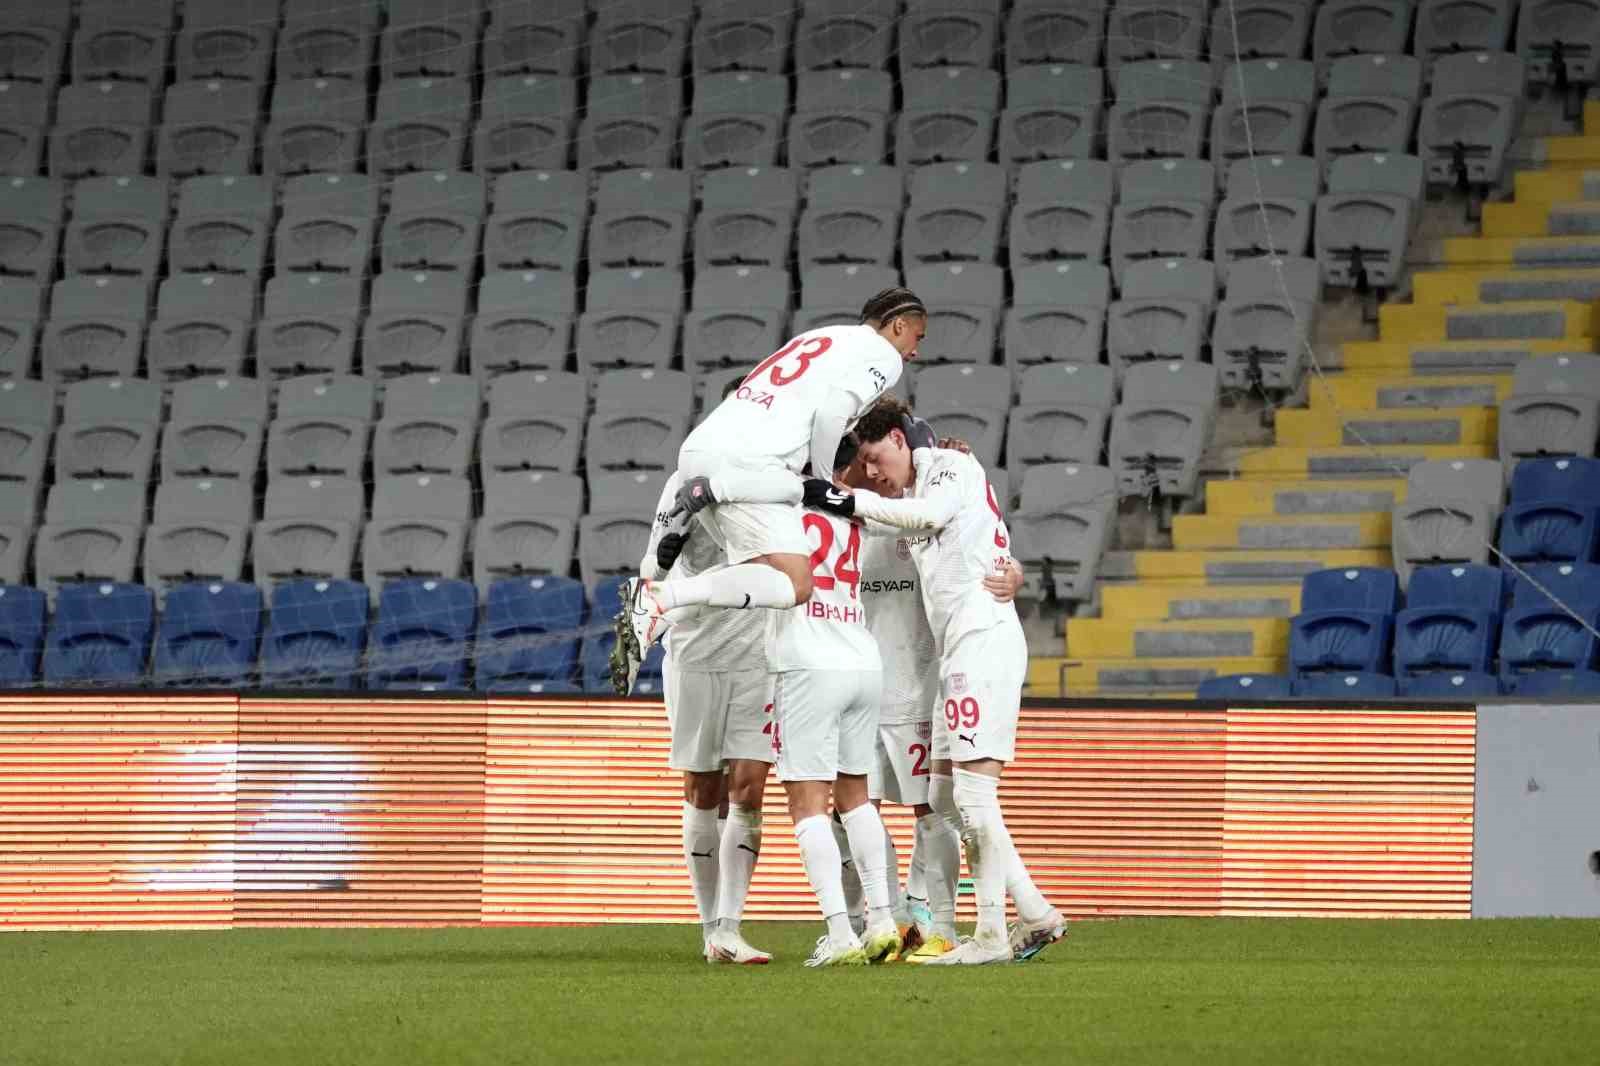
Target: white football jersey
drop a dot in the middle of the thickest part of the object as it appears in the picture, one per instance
(713, 639)
(828, 631)
(771, 413)
(892, 591)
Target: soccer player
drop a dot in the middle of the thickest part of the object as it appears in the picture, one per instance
(718, 693)
(791, 410)
(983, 660)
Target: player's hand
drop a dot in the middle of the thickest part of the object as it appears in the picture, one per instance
(668, 548)
(955, 444)
(918, 433)
(1004, 585)
(694, 496)
(820, 495)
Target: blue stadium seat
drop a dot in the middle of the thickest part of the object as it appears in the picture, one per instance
(208, 634)
(1245, 686)
(534, 688)
(530, 631)
(1554, 516)
(1451, 621)
(420, 638)
(22, 611)
(1539, 632)
(1345, 623)
(1445, 686)
(317, 634)
(101, 633)
(606, 598)
(1557, 684)
(596, 667)
(1354, 686)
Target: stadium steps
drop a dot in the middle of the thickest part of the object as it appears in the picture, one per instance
(1503, 285)
(1111, 638)
(1168, 677)
(1354, 392)
(1159, 601)
(1212, 532)
(1304, 463)
(1426, 358)
(1244, 567)
(1244, 497)
(1312, 428)
(1564, 320)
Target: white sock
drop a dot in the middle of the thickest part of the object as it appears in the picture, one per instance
(941, 845)
(891, 867)
(745, 585)
(1031, 904)
(989, 849)
(865, 830)
(700, 846)
(917, 869)
(855, 901)
(741, 846)
(820, 854)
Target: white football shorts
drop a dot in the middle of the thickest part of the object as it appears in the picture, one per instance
(747, 530)
(980, 690)
(824, 723)
(905, 759)
(716, 715)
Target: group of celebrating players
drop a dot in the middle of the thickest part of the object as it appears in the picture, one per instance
(883, 660)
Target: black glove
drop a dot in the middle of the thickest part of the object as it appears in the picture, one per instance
(668, 548)
(694, 495)
(918, 433)
(820, 495)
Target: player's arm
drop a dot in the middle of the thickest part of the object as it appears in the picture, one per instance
(940, 502)
(829, 425)
(668, 531)
(1005, 584)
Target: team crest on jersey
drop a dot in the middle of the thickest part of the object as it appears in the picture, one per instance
(958, 683)
(902, 548)
(924, 730)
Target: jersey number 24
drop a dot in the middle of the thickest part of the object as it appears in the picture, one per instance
(846, 568)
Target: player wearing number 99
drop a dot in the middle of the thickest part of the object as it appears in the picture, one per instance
(983, 659)
(790, 410)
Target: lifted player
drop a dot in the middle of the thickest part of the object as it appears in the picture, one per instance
(983, 658)
(793, 408)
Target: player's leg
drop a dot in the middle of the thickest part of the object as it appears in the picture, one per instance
(702, 793)
(906, 748)
(696, 750)
(857, 739)
(747, 744)
(942, 837)
(855, 901)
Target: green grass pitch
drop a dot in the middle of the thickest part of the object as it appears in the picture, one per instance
(1138, 991)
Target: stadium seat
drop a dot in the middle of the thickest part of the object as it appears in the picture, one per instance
(316, 635)
(1233, 688)
(317, 125)
(202, 327)
(1057, 314)
(435, 222)
(965, 302)
(639, 421)
(1365, 219)
(33, 43)
(1451, 622)
(22, 617)
(208, 635)
(1164, 213)
(534, 38)
(1267, 322)
(1265, 111)
(19, 510)
(1554, 515)
(956, 214)
(1360, 27)
(101, 127)
(1469, 120)
(28, 413)
(969, 402)
(1062, 526)
(209, 127)
(1164, 314)
(308, 529)
(309, 325)
(735, 312)
(329, 224)
(538, 221)
(840, 117)
(845, 33)
(530, 632)
(527, 123)
(326, 40)
(1451, 27)
(832, 295)
(1062, 416)
(417, 323)
(96, 329)
(743, 35)
(108, 430)
(529, 526)
(1556, 39)
(30, 225)
(1047, 32)
(1344, 686)
(737, 120)
(525, 322)
(1162, 427)
(429, 425)
(949, 115)
(1451, 686)
(1142, 30)
(200, 529)
(21, 313)
(100, 634)
(535, 423)
(1267, 207)
(631, 120)
(948, 33)
(1371, 106)
(91, 533)
(646, 35)
(641, 219)
(223, 225)
(421, 124)
(746, 218)
(631, 319)
(1346, 622)
(431, 39)
(613, 534)
(420, 638)
(852, 216)
(1553, 409)
(232, 39)
(1550, 623)
(118, 226)
(1449, 514)
(418, 528)
(1254, 30)
(1162, 109)
(24, 118)
(1051, 112)
(323, 428)
(215, 430)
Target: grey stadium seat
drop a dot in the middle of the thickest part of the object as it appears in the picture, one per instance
(840, 116)
(1163, 110)
(1371, 106)
(1048, 31)
(202, 327)
(630, 120)
(310, 324)
(845, 33)
(1266, 110)
(435, 222)
(327, 40)
(948, 33)
(1143, 30)
(641, 219)
(949, 115)
(1063, 414)
(1259, 340)
(1366, 218)
(1451, 27)
(21, 314)
(96, 328)
(1057, 314)
(643, 35)
(308, 529)
(417, 325)
(209, 127)
(968, 402)
(640, 419)
(431, 39)
(965, 302)
(109, 429)
(1063, 526)
(833, 295)
(200, 531)
(956, 213)
(630, 319)
(1164, 213)
(1260, 29)
(535, 422)
(317, 125)
(418, 528)
(1267, 208)
(1556, 38)
(322, 434)
(27, 428)
(525, 321)
(33, 42)
(737, 120)
(91, 532)
(24, 118)
(743, 35)
(227, 39)
(30, 227)
(216, 429)
(736, 314)
(1062, 211)
(1468, 122)
(101, 127)
(613, 535)
(1052, 112)
(852, 215)
(223, 226)
(1553, 409)
(1160, 430)
(1164, 314)
(1449, 516)
(529, 526)
(329, 224)
(538, 221)
(118, 226)
(746, 218)
(527, 123)
(429, 425)
(534, 36)
(1360, 27)
(19, 507)
(421, 124)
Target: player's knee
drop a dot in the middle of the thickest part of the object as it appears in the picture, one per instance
(702, 791)
(745, 787)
